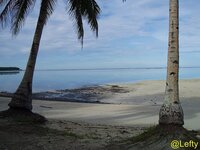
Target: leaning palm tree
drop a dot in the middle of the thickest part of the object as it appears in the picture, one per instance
(14, 13)
(171, 111)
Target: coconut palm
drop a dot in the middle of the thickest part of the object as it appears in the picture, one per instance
(171, 111)
(14, 13)
(171, 114)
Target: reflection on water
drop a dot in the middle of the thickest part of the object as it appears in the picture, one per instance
(8, 72)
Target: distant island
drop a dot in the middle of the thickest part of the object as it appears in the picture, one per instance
(9, 69)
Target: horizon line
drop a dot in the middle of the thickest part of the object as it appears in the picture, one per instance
(115, 68)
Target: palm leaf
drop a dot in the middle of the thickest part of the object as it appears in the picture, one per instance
(15, 12)
(2, 2)
(74, 11)
(6, 12)
(20, 10)
(48, 8)
(90, 10)
(87, 9)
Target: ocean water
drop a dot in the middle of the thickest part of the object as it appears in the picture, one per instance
(63, 79)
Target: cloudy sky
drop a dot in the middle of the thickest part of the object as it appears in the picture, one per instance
(131, 34)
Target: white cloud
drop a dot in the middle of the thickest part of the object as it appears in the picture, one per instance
(123, 28)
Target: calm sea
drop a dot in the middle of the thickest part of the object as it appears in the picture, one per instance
(62, 79)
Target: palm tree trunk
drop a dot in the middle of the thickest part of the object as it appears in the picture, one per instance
(23, 96)
(171, 111)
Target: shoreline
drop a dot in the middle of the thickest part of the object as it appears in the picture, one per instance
(149, 91)
(89, 94)
(128, 105)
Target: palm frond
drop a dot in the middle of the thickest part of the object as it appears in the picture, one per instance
(90, 10)
(2, 2)
(21, 10)
(6, 12)
(87, 9)
(15, 12)
(74, 11)
(48, 7)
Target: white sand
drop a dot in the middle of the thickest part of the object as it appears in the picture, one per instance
(140, 106)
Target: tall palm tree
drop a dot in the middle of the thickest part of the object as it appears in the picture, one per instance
(171, 111)
(14, 13)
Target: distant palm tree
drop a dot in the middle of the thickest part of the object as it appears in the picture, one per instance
(14, 13)
(171, 111)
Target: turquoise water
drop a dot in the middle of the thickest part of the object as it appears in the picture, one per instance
(63, 79)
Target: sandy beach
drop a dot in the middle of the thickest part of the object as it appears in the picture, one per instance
(139, 106)
(122, 112)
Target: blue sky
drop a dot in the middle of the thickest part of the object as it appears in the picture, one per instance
(131, 34)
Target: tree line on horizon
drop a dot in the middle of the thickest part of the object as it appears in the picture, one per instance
(9, 69)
